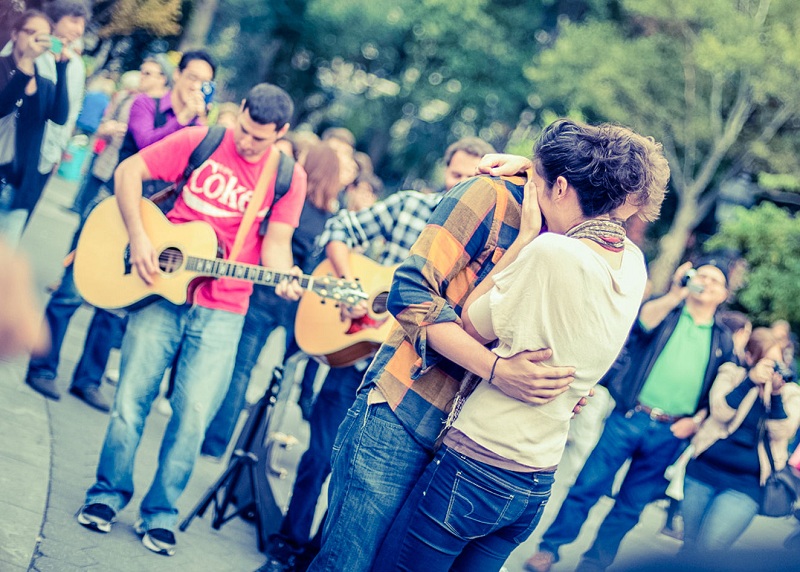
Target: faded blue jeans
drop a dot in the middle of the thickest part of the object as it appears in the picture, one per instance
(207, 340)
(12, 221)
(713, 518)
(464, 515)
(376, 464)
(652, 447)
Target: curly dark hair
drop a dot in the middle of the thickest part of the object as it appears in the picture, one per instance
(608, 165)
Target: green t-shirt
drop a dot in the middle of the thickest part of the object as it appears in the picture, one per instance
(675, 382)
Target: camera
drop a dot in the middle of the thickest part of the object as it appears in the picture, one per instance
(688, 281)
(784, 371)
(56, 45)
(208, 88)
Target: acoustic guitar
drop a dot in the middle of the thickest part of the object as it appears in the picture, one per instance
(322, 334)
(187, 252)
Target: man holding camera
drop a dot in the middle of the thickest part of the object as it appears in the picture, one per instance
(660, 383)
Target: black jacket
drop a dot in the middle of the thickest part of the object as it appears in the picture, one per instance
(51, 103)
(627, 376)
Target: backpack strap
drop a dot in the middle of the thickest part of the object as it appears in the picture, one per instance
(200, 155)
(159, 119)
(283, 183)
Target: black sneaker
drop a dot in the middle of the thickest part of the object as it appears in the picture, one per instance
(45, 386)
(97, 516)
(92, 397)
(159, 540)
(280, 555)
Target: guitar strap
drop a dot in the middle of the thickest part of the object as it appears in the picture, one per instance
(255, 203)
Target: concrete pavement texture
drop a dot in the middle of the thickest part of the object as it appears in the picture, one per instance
(49, 451)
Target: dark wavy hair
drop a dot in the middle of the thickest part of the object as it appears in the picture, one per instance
(268, 103)
(608, 165)
(28, 15)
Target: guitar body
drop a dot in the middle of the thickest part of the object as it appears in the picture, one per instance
(322, 334)
(102, 272)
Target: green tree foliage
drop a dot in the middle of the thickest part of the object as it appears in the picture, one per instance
(769, 239)
(407, 76)
(158, 17)
(714, 81)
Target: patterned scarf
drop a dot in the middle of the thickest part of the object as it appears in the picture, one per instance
(609, 234)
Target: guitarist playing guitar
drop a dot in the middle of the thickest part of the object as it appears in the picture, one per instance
(397, 220)
(231, 191)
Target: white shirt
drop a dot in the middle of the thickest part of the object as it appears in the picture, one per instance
(560, 294)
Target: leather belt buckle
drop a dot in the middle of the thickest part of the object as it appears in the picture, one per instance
(657, 414)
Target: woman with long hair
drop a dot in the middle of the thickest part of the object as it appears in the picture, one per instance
(749, 404)
(34, 100)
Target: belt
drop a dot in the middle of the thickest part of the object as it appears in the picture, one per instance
(656, 414)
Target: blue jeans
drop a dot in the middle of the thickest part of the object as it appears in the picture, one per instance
(105, 332)
(376, 464)
(335, 398)
(207, 342)
(12, 224)
(266, 312)
(89, 190)
(464, 515)
(12, 221)
(652, 447)
(713, 518)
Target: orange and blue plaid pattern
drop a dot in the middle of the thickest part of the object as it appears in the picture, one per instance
(467, 234)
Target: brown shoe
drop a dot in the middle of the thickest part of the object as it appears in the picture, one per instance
(92, 397)
(540, 562)
(45, 386)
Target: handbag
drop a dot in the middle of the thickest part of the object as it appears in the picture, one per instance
(780, 492)
(8, 138)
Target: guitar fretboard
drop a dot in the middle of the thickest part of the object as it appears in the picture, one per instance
(258, 274)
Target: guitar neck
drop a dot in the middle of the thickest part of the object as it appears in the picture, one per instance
(219, 268)
(327, 287)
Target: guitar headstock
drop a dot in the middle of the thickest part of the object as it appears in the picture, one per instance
(339, 289)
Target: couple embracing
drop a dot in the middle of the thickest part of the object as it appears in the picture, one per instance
(483, 274)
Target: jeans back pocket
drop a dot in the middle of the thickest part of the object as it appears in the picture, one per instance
(474, 509)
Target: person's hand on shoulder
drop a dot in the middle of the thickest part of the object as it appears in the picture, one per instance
(503, 164)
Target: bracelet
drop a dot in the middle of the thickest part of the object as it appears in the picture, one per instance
(494, 365)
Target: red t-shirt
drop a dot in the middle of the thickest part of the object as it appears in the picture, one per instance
(218, 193)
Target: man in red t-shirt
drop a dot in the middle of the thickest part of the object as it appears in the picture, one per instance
(204, 334)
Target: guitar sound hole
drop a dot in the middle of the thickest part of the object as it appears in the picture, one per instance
(379, 303)
(170, 260)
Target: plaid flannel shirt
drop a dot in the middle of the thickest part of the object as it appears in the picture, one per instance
(398, 220)
(467, 234)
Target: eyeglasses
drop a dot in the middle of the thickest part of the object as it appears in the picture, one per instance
(711, 278)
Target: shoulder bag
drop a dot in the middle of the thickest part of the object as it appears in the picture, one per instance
(780, 492)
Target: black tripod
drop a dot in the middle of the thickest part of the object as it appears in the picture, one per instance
(244, 483)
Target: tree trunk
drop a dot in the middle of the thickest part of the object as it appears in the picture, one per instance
(673, 244)
(199, 26)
